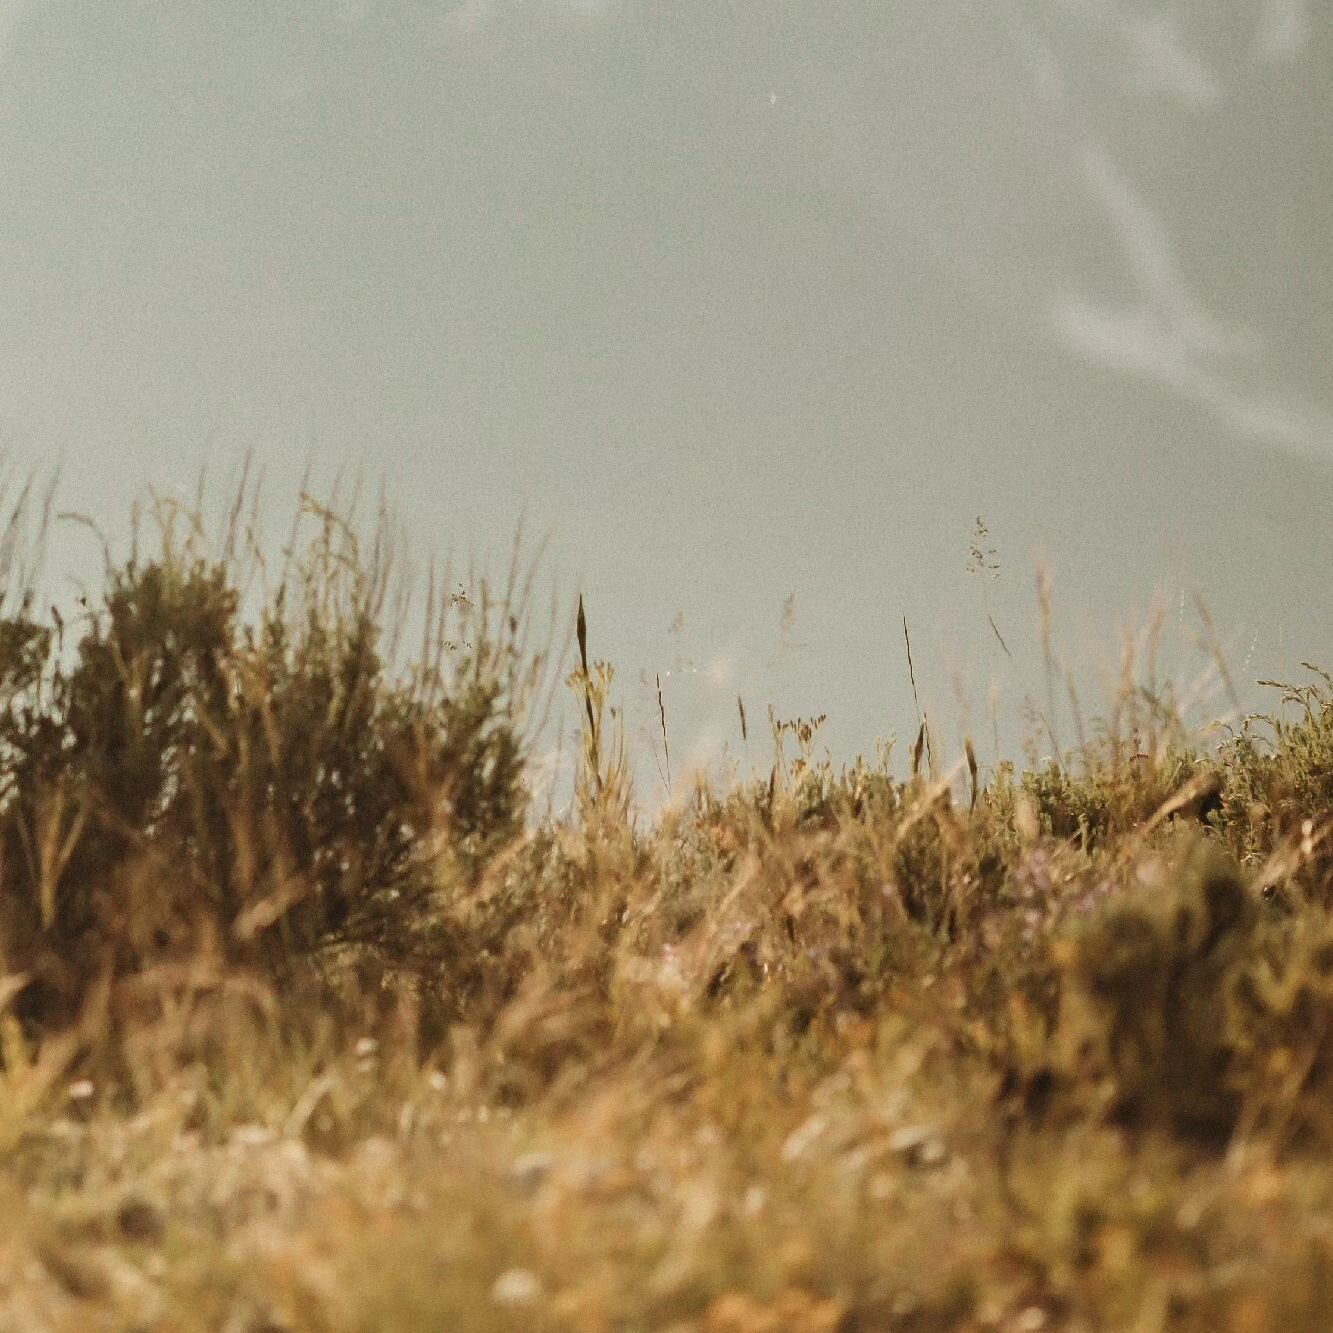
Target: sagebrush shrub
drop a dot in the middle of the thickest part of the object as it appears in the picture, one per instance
(178, 779)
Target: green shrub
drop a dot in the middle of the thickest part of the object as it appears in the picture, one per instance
(1148, 980)
(1193, 1005)
(180, 781)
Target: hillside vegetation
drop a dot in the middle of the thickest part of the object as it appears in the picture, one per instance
(309, 1022)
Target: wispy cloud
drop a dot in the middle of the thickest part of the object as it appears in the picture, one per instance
(1284, 31)
(1168, 335)
(1164, 61)
(1137, 342)
(701, 718)
(1157, 275)
(1167, 63)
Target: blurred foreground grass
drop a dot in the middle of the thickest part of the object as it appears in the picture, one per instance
(306, 1024)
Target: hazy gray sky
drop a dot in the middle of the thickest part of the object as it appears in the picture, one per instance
(750, 306)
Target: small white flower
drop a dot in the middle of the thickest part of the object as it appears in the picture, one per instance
(517, 1286)
(801, 1138)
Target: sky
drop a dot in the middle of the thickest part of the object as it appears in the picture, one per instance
(748, 309)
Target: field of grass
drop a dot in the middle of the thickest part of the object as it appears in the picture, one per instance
(308, 1023)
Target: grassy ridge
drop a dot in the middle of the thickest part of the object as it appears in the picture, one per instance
(305, 1025)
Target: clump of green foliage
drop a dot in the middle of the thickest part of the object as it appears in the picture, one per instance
(180, 780)
(1194, 1003)
(1150, 986)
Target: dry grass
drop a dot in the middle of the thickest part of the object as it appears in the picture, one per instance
(304, 1026)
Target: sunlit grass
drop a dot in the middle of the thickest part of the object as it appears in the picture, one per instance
(307, 1023)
